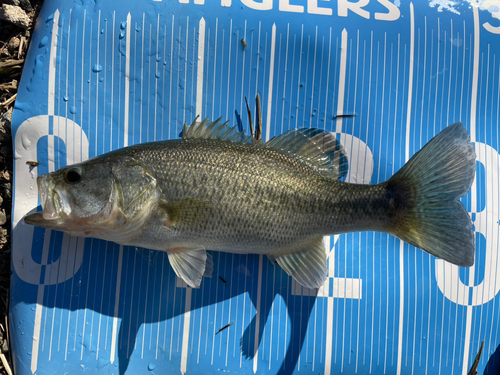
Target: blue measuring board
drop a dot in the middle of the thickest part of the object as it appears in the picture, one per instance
(101, 75)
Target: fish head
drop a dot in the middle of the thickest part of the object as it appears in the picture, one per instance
(98, 198)
(75, 197)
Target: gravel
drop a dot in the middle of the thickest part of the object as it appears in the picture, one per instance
(17, 18)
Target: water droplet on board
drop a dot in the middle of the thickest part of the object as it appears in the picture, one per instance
(43, 42)
(22, 106)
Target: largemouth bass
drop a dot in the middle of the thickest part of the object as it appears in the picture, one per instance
(217, 189)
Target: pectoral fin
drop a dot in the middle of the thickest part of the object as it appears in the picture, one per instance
(209, 266)
(191, 264)
(307, 266)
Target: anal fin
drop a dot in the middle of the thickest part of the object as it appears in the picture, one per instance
(307, 266)
(191, 264)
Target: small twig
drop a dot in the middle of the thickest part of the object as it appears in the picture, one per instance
(9, 63)
(5, 363)
(8, 87)
(258, 131)
(346, 115)
(249, 117)
(243, 43)
(7, 328)
(8, 101)
(32, 163)
(473, 369)
(4, 45)
(225, 327)
(224, 281)
(21, 45)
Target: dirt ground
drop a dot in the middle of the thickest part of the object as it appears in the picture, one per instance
(14, 43)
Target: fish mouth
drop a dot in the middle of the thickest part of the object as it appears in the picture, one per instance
(37, 219)
(54, 205)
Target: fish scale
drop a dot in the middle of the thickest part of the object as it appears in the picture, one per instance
(244, 189)
(217, 189)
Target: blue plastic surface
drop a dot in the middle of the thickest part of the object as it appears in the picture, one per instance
(106, 74)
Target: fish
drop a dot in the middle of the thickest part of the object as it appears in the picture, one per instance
(218, 189)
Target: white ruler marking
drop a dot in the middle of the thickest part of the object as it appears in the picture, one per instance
(343, 63)
(270, 89)
(117, 302)
(187, 322)
(475, 75)
(201, 62)
(407, 157)
(127, 83)
(257, 317)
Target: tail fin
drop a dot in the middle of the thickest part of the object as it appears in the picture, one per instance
(429, 185)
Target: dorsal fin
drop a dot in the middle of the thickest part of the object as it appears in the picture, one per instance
(315, 147)
(207, 129)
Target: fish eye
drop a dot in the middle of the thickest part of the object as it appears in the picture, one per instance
(73, 176)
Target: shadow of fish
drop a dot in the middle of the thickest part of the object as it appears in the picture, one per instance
(151, 305)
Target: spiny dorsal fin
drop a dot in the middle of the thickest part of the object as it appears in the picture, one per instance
(207, 129)
(315, 147)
